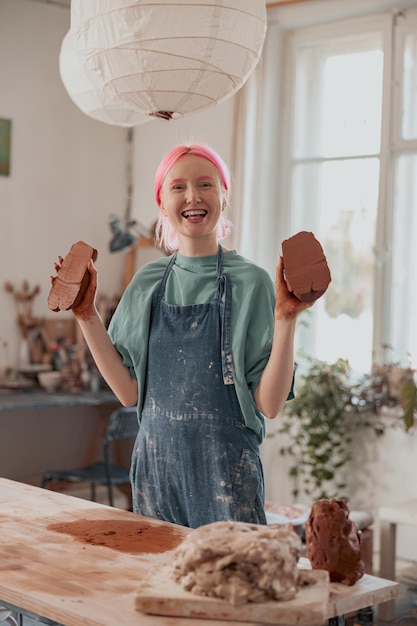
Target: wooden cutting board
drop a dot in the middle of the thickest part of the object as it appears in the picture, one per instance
(158, 594)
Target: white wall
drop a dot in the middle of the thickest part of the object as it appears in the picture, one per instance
(68, 171)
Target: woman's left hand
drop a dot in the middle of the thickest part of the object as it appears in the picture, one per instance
(287, 305)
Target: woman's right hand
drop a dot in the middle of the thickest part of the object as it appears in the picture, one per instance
(75, 284)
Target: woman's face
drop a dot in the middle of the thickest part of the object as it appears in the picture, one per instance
(193, 198)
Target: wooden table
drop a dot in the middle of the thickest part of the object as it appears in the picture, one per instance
(72, 581)
(389, 517)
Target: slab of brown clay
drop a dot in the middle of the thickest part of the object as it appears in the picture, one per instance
(333, 541)
(72, 278)
(306, 271)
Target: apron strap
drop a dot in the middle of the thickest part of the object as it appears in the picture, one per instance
(163, 282)
(225, 306)
(224, 296)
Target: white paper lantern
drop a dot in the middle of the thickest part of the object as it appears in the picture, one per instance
(84, 94)
(168, 59)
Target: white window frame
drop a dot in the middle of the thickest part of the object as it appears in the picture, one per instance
(405, 23)
(393, 28)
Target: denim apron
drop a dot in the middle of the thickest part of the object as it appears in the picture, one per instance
(194, 461)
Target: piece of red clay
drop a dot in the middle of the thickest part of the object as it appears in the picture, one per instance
(333, 541)
(306, 271)
(72, 279)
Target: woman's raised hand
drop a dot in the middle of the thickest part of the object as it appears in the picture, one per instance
(287, 305)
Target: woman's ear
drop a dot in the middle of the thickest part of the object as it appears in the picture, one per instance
(224, 201)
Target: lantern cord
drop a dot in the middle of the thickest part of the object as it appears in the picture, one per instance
(128, 211)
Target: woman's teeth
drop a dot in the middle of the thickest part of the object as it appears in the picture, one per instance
(194, 213)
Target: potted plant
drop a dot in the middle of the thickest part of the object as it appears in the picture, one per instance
(388, 385)
(317, 426)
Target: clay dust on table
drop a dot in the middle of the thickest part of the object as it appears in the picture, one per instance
(122, 535)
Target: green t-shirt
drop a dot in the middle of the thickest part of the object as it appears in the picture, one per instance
(193, 281)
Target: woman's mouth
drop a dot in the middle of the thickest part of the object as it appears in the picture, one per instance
(194, 214)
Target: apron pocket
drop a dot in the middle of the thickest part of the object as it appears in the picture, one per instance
(248, 488)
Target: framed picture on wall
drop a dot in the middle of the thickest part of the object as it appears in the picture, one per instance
(5, 141)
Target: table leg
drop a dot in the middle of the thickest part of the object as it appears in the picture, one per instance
(13, 616)
(365, 616)
(387, 553)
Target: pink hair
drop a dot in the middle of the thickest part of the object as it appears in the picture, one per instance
(165, 234)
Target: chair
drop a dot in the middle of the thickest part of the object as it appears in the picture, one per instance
(123, 423)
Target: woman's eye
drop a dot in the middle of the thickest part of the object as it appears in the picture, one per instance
(205, 185)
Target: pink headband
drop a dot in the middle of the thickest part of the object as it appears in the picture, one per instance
(179, 151)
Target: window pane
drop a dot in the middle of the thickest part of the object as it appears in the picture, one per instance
(404, 281)
(338, 103)
(409, 109)
(337, 201)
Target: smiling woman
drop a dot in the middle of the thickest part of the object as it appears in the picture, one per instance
(202, 343)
